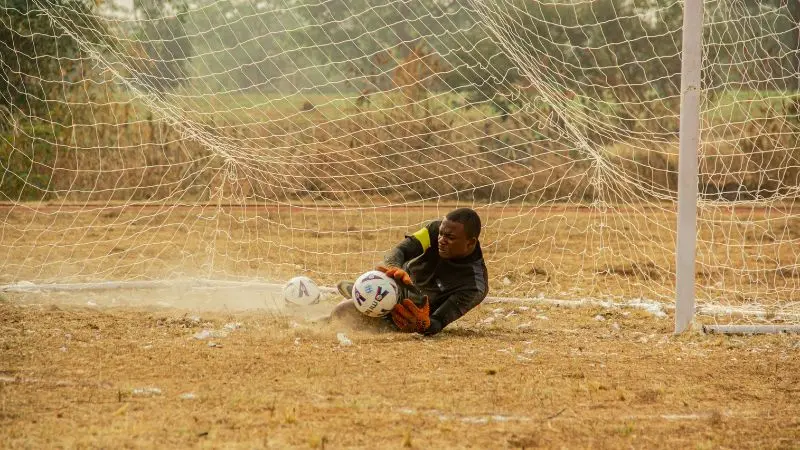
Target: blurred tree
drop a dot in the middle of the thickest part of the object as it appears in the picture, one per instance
(42, 69)
(161, 58)
(244, 46)
(39, 62)
(363, 41)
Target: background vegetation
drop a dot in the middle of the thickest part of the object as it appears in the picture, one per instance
(426, 90)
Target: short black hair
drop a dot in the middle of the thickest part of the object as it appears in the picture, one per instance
(469, 218)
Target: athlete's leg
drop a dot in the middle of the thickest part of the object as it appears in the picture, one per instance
(345, 312)
(345, 288)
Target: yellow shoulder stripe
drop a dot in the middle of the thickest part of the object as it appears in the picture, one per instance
(424, 238)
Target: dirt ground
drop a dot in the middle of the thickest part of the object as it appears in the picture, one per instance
(199, 367)
(746, 256)
(507, 375)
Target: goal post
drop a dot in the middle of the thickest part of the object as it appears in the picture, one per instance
(691, 65)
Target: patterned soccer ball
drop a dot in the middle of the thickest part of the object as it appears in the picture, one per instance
(375, 294)
(301, 291)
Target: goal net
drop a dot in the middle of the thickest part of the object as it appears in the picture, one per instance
(260, 140)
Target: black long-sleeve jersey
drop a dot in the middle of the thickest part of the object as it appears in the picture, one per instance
(453, 286)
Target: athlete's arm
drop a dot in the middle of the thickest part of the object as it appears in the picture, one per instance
(412, 246)
(453, 308)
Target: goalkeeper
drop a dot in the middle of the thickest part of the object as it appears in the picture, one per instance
(440, 274)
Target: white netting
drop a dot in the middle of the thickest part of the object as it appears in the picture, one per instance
(262, 140)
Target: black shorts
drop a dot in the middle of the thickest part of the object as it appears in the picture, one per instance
(413, 294)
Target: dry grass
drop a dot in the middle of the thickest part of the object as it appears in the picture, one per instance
(397, 147)
(542, 377)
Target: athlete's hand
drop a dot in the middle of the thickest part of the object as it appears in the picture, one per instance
(397, 273)
(410, 318)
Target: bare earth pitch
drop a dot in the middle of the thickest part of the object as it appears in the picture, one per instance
(504, 377)
(567, 252)
(126, 368)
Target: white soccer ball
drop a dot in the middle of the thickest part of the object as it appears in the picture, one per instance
(301, 291)
(375, 294)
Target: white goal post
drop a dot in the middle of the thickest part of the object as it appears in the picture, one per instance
(691, 65)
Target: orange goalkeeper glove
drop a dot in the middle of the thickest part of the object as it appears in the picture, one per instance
(410, 318)
(397, 273)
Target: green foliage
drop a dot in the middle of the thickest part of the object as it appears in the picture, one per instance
(43, 68)
(258, 54)
(37, 58)
(160, 56)
(623, 53)
(754, 43)
(25, 165)
(318, 47)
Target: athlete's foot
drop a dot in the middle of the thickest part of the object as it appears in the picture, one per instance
(346, 314)
(345, 289)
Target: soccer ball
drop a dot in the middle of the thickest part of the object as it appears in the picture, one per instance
(375, 294)
(301, 291)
